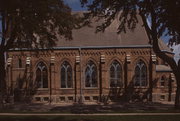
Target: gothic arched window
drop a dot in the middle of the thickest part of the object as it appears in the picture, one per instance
(41, 75)
(66, 75)
(140, 74)
(91, 75)
(19, 63)
(116, 74)
(162, 81)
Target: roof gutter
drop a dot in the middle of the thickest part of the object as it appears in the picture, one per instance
(82, 47)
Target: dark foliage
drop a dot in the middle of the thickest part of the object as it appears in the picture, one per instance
(163, 16)
(34, 23)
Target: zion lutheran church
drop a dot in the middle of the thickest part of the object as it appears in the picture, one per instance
(93, 67)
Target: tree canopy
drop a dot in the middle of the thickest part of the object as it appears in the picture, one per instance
(31, 24)
(28, 23)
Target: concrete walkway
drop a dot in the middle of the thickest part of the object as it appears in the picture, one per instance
(95, 114)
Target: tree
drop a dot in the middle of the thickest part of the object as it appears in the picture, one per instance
(163, 16)
(32, 24)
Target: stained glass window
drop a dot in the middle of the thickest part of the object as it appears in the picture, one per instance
(116, 74)
(41, 75)
(66, 75)
(91, 75)
(140, 74)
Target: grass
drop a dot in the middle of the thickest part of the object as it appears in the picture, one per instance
(92, 109)
(86, 112)
(89, 110)
(90, 118)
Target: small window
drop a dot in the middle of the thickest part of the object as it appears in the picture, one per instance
(70, 98)
(62, 99)
(46, 98)
(87, 98)
(162, 97)
(162, 81)
(38, 99)
(95, 98)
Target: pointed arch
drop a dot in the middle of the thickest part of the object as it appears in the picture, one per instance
(115, 73)
(66, 75)
(163, 80)
(19, 63)
(91, 75)
(140, 74)
(41, 75)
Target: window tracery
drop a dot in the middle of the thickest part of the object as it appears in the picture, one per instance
(91, 75)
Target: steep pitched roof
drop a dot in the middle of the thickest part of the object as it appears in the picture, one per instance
(86, 36)
(163, 68)
(164, 47)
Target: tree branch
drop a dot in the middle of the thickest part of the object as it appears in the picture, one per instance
(156, 48)
(148, 30)
(12, 38)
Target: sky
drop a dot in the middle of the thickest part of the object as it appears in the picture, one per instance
(75, 5)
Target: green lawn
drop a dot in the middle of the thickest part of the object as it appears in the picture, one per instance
(90, 118)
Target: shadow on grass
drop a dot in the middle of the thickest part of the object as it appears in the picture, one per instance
(49, 118)
(90, 109)
(115, 108)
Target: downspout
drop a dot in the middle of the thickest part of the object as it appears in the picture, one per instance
(81, 93)
(151, 76)
(50, 91)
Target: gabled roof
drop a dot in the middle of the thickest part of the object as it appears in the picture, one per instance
(86, 36)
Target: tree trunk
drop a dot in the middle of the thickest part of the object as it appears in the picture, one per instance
(2, 78)
(177, 106)
(169, 59)
(177, 98)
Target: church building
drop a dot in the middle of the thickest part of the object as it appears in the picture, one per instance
(93, 67)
